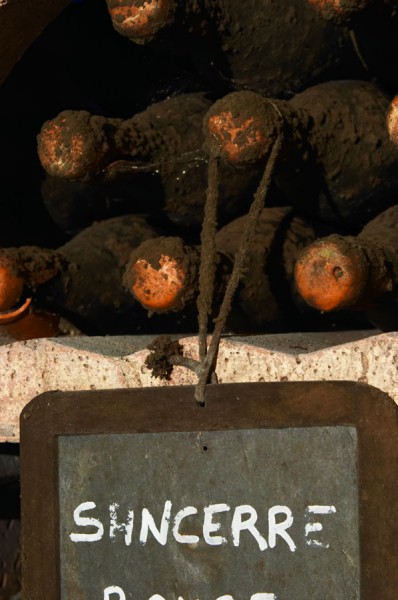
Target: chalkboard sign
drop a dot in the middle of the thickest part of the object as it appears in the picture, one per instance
(281, 491)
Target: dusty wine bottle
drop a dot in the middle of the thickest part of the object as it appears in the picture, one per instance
(392, 120)
(336, 163)
(19, 319)
(77, 144)
(153, 161)
(81, 280)
(276, 48)
(163, 273)
(340, 10)
(373, 28)
(359, 273)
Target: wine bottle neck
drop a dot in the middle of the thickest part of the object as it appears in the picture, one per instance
(381, 237)
(35, 265)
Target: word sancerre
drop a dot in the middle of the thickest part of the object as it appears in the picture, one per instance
(111, 591)
(244, 518)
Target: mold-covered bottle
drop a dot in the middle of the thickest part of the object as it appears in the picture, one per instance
(81, 280)
(392, 120)
(354, 272)
(336, 163)
(163, 273)
(277, 48)
(373, 29)
(152, 162)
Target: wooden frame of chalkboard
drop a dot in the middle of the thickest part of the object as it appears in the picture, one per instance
(228, 407)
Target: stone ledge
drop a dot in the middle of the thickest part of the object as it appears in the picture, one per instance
(83, 363)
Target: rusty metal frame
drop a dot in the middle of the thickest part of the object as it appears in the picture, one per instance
(229, 406)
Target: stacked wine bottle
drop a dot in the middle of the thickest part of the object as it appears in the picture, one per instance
(318, 78)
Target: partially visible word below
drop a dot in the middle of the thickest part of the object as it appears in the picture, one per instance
(244, 518)
(114, 592)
